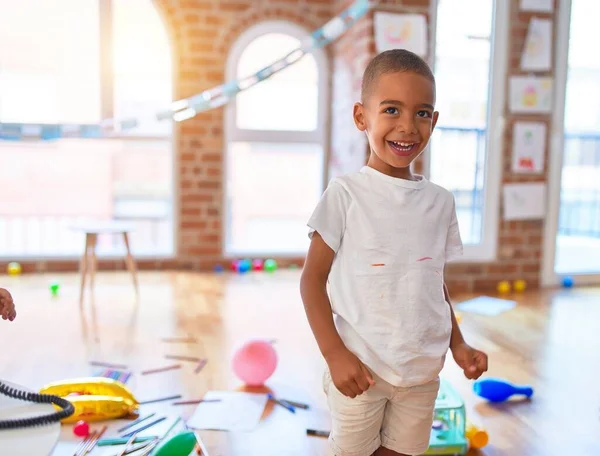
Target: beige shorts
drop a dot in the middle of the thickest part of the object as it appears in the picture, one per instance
(397, 418)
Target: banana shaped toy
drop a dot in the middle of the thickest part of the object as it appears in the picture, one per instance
(94, 398)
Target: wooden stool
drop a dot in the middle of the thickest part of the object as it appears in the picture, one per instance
(89, 261)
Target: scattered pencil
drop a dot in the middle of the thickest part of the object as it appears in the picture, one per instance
(128, 445)
(84, 443)
(143, 428)
(136, 422)
(94, 441)
(109, 365)
(283, 404)
(161, 369)
(175, 423)
(200, 365)
(161, 399)
(123, 441)
(299, 405)
(180, 340)
(197, 401)
(317, 433)
(184, 358)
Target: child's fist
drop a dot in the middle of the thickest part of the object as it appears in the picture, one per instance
(7, 305)
(473, 362)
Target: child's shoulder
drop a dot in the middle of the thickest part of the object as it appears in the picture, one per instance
(443, 191)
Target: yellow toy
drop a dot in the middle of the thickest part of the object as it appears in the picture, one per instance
(519, 285)
(477, 437)
(503, 287)
(94, 398)
(13, 268)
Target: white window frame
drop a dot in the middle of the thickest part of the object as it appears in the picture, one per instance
(486, 250)
(235, 134)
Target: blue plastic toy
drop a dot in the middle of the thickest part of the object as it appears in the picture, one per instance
(448, 429)
(568, 282)
(498, 390)
(244, 266)
(219, 268)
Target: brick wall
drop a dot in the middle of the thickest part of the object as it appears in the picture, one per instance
(202, 32)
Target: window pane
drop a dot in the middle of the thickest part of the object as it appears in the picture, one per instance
(286, 101)
(142, 66)
(268, 207)
(462, 70)
(49, 61)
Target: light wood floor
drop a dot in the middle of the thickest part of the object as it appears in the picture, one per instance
(551, 341)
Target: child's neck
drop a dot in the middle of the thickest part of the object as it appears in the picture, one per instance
(382, 167)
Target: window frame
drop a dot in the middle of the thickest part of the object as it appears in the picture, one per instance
(232, 133)
(486, 249)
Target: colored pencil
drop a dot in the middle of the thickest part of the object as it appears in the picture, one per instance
(109, 365)
(123, 441)
(316, 433)
(85, 442)
(296, 404)
(94, 441)
(281, 403)
(143, 428)
(196, 401)
(161, 369)
(161, 399)
(136, 422)
(183, 340)
(200, 366)
(184, 358)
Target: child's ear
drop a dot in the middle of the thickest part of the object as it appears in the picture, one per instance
(435, 119)
(359, 116)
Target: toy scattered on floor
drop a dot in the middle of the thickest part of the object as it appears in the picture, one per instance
(498, 390)
(448, 435)
(258, 265)
(94, 398)
(14, 268)
(244, 266)
(219, 268)
(181, 444)
(81, 429)
(477, 436)
(503, 287)
(568, 282)
(254, 362)
(54, 288)
(270, 265)
(519, 286)
(234, 265)
(115, 374)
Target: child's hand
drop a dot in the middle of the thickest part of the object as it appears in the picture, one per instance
(473, 362)
(349, 375)
(7, 306)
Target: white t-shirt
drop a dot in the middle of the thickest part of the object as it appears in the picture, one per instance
(392, 238)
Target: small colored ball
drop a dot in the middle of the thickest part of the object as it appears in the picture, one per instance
(234, 265)
(568, 282)
(519, 285)
(255, 362)
(258, 265)
(81, 429)
(270, 265)
(14, 268)
(54, 288)
(219, 268)
(503, 287)
(244, 266)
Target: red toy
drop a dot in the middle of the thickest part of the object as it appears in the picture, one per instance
(81, 429)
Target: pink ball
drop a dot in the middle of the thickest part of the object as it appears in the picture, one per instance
(255, 362)
(81, 429)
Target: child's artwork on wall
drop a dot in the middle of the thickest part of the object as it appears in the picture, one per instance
(401, 31)
(525, 201)
(537, 53)
(530, 94)
(529, 145)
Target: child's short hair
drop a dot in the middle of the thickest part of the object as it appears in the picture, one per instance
(392, 61)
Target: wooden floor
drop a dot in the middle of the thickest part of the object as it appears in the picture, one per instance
(550, 340)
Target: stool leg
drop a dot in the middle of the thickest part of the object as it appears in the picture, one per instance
(83, 266)
(130, 262)
(93, 266)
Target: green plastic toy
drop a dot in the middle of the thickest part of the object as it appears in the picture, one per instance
(54, 288)
(270, 265)
(181, 444)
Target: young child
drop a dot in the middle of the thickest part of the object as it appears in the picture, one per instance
(380, 239)
(7, 306)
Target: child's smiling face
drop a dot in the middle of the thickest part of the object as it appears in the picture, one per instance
(398, 117)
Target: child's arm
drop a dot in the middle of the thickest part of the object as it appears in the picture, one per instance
(348, 373)
(473, 362)
(7, 305)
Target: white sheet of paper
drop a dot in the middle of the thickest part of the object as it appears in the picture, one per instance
(545, 6)
(486, 305)
(530, 94)
(525, 201)
(401, 31)
(529, 146)
(236, 411)
(537, 53)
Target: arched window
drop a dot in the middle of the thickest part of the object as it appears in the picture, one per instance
(466, 147)
(275, 133)
(70, 65)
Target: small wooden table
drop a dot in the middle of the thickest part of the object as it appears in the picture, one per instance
(89, 261)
